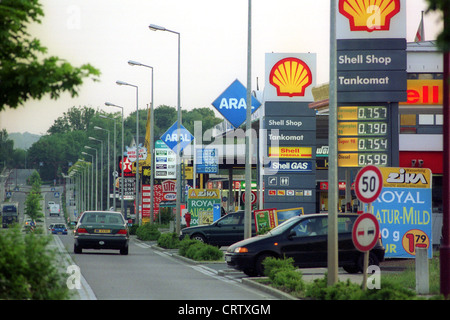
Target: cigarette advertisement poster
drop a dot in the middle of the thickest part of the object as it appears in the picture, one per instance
(404, 211)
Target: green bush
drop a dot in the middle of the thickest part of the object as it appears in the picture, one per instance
(203, 252)
(289, 280)
(148, 232)
(184, 245)
(283, 274)
(346, 290)
(199, 251)
(28, 269)
(273, 265)
(168, 241)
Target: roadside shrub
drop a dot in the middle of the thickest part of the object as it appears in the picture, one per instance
(148, 232)
(283, 274)
(168, 240)
(184, 245)
(273, 265)
(203, 252)
(289, 280)
(390, 291)
(199, 251)
(346, 290)
(28, 268)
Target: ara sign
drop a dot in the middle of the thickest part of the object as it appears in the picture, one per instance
(232, 104)
(170, 137)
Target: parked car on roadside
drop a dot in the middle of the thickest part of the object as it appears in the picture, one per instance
(303, 238)
(101, 230)
(223, 232)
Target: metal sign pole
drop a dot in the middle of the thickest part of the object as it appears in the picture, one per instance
(332, 164)
(248, 133)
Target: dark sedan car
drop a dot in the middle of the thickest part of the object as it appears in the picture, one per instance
(101, 230)
(223, 232)
(303, 238)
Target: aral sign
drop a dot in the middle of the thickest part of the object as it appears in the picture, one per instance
(404, 211)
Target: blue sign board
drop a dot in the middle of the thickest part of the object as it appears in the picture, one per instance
(290, 166)
(232, 104)
(170, 137)
(404, 215)
(207, 161)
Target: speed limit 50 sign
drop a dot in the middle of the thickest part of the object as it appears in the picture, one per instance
(368, 184)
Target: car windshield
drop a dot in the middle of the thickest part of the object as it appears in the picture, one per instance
(59, 226)
(102, 217)
(284, 226)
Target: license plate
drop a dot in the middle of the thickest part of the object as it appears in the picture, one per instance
(102, 231)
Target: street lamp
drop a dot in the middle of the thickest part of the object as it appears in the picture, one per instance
(122, 83)
(109, 104)
(108, 172)
(92, 179)
(152, 141)
(155, 27)
(96, 175)
(101, 170)
(114, 157)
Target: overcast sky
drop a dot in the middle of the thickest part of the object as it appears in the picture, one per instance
(108, 33)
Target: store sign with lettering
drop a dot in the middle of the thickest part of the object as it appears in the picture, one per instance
(404, 211)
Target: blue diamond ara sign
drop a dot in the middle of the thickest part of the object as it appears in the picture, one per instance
(232, 104)
(170, 137)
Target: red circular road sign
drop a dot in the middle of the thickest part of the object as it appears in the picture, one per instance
(366, 232)
(368, 184)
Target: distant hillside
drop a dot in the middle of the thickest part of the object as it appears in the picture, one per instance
(23, 140)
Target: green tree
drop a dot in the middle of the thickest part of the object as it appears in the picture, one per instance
(27, 268)
(26, 73)
(443, 6)
(6, 148)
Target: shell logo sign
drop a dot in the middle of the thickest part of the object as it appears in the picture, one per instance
(290, 76)
(369, 16)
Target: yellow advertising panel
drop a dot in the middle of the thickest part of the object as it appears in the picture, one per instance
(348, 113)
(406, 177)
(424, 92)
(290, 152)
(348, 144)
(348, 128)
(348, 160)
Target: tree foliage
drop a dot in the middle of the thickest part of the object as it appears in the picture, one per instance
(26, 72)
(443, 6)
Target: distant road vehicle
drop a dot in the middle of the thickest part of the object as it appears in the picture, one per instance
(303, 238)
(59, 228)
(54, 209)
(101, 230)
(9, 213)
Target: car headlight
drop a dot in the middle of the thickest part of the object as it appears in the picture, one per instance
(240, 250)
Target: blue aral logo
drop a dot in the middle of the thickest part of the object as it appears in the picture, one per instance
(170, 137)
(232, 104)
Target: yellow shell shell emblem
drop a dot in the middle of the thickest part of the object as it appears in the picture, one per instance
(369, 15)
(291, 77)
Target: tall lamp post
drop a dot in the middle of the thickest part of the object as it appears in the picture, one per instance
(113, 156)
(122, 83)
(152, 140)
(91, 206)
(109, 104)
(101, 170)
(108, 172)
(178, 157)
(96, 175)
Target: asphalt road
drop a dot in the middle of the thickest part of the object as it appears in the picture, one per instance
(150, 274)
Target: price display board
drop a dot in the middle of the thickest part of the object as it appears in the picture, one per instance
(363, 136)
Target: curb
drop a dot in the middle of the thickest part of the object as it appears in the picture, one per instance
(246, 281)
